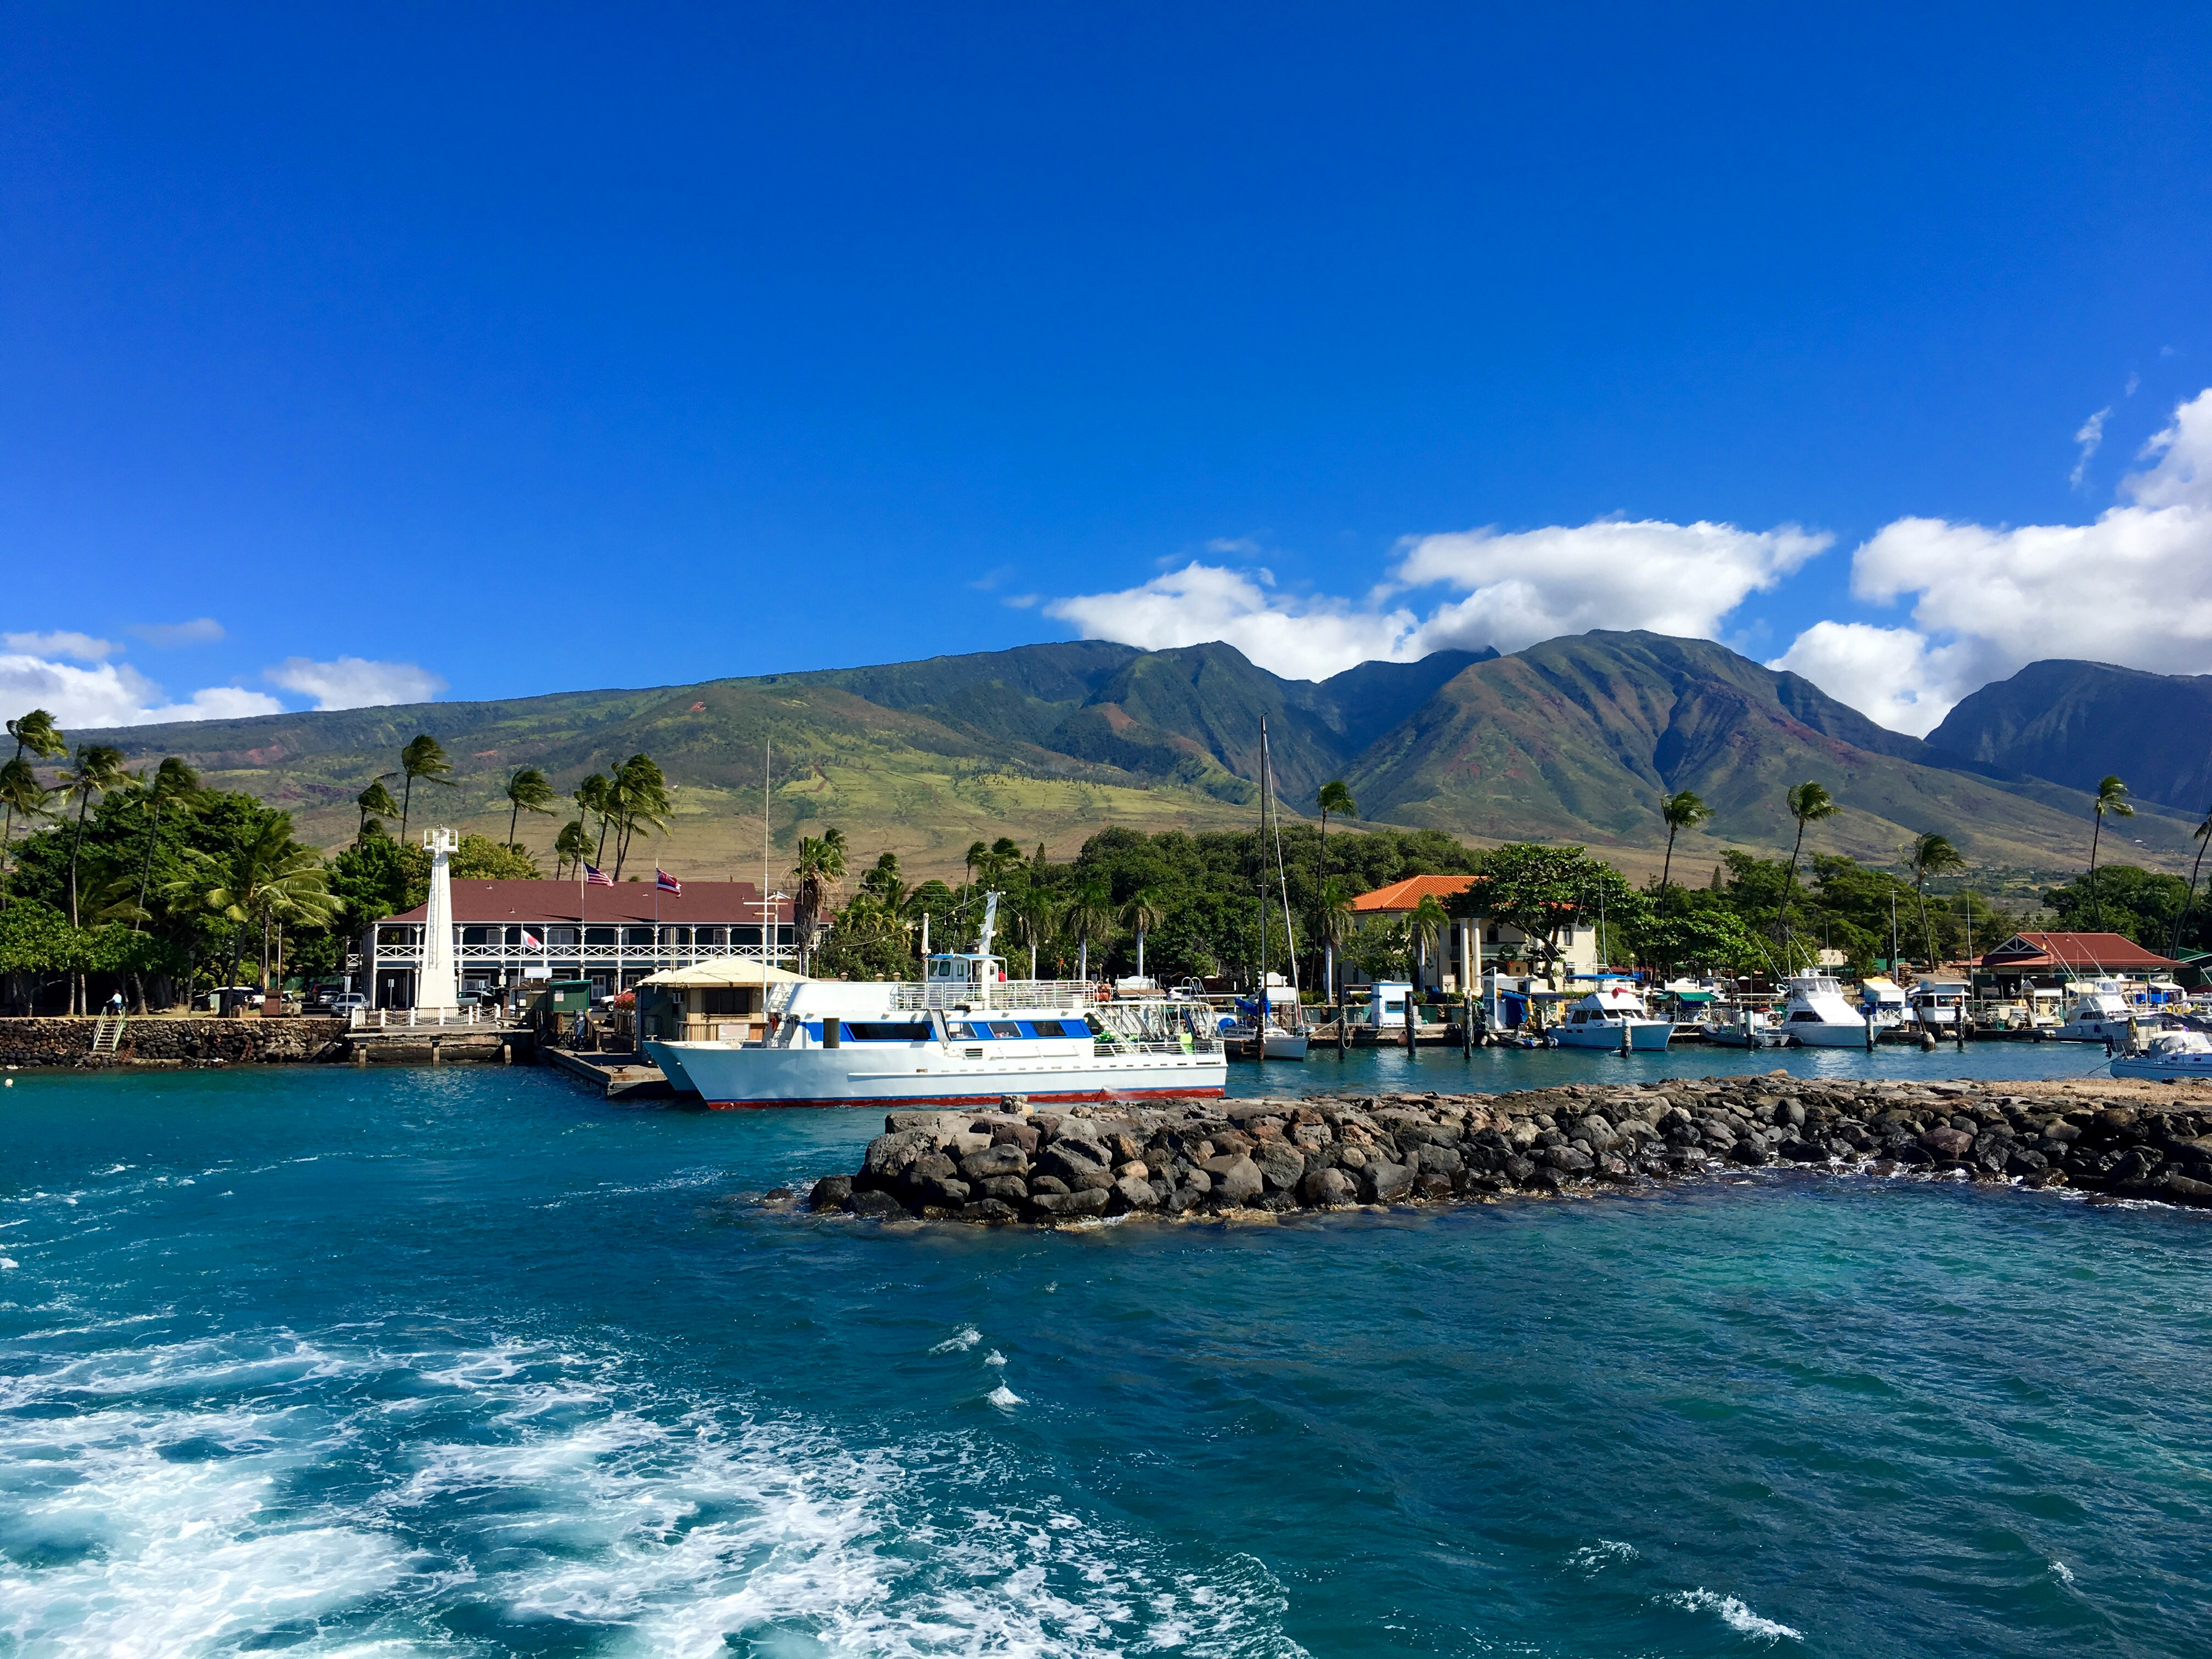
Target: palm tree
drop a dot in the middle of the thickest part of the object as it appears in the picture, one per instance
(423, 758)
(1036, 914)
(2202, 836)
(1336, 924)
(1678, 812)
(27, 799)
(1809, 803)
(595, 794)
(977, 853)
(1090, 910)
(99, 770)
(36, 733)
(639, 798)
(528, 790)
(821, 866)
(571, 847)
(1143, 912)
(2112, 798)
(375, 802)
(1424, 927)
(1006, 859)
(1335, 796)
(1932, 855)
(174, 784)
(270, 878)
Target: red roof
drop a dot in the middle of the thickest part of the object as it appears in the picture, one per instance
(703, 903)
(1408, 894)
(2093, 951)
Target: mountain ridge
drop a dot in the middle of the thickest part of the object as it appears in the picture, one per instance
(2075, 722)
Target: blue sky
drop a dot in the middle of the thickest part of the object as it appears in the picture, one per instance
(556, 347)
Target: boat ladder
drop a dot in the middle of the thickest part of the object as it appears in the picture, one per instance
(108, 1034)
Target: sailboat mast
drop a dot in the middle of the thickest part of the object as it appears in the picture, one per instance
(1262, 861)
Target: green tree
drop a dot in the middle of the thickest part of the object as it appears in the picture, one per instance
(1334, 918)
(571, 847)
(2113, 798)
(98, 770)
(594, 797)
(639, 799)
(425, 758)
(376, 804)
(1036, 917)
(1140, 914)
(1335, 796)
(1931, 855)
(1089, 913)
(174, 787)
(271, 878)
(1424, 928)
(36, 734)
(528, 790)
(2202, 836)
(1678, 812)
(1545, 892)
(820, 868)
(1809, 803)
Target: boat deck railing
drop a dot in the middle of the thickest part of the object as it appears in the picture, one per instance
(1014, 993)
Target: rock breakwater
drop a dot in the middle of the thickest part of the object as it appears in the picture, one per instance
(63, 1040)
(1320, 1152)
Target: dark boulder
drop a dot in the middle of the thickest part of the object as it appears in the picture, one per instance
(1043, 1184)
(1328, 1189)
(1235, 1178)
(1070, 1160)
(1381, 1182)
(998, 1159)
(1012, 1188)
(1067, 1206)
(1129, 1193)
(869, 1201)
(829, 1193)
(993, 1210)
(1951, 1145)
(1281, 1167)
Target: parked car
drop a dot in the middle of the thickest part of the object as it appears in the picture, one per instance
(344, 1002)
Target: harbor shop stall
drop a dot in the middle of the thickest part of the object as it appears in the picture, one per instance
(724, 1000)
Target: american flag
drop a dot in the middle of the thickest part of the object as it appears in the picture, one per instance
(666, 883)
(597, 877)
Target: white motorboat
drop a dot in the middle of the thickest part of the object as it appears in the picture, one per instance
(964, 1036)
(1937, 1004)
(1609, 1016)
(1884, 998)
(2100, 1012)
(1817, 1016)
(1745, 1027)
(2167, 1055)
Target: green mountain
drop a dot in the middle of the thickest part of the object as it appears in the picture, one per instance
(2078, 722)
(1575, 738)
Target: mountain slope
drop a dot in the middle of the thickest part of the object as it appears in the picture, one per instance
(2077, 722)
(1578, 738)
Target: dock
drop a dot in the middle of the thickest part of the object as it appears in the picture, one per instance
(616, 1075)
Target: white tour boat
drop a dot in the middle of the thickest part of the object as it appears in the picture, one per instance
(1817, 1016)
(2167, 1055)
(2100, 1012)
(1606, 1015)
(964, 1036)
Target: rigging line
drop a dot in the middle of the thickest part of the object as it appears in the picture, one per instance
(1290, 934)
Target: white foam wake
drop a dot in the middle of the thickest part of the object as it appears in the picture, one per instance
(960, 1341)
(212, 1497)
(1736, 1616)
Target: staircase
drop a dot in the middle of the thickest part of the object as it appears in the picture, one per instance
(108, 1034)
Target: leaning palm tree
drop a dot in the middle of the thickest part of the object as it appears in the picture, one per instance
(97, 770)
(1680, 810)
(1090, 910)
(2112, 798)
(1146, 907)
(595, 796)
(570, 847)
(1932, 855)
(977, 854)
(528, 790)
(1337, 919)
(2202, 836)
(639, 796)
(175, 786)
(1335, 796)
(25, 798)
(375, 802)
(36, 732)
(423, 758)
(1809, 803)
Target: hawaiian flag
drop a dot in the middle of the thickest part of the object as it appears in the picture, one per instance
(666, 883)
(597, 877)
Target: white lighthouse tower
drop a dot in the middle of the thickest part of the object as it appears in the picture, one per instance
(436, 990)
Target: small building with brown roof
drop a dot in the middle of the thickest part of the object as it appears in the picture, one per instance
(2029, 959)
(506, 932)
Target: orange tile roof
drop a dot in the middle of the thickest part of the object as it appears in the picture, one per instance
(1408, 894)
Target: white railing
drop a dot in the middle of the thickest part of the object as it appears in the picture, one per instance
(1015, 993)
(526, 956)
(400, 1019)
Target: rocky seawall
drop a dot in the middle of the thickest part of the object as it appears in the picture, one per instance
(1212, 1157)
(66, 1041)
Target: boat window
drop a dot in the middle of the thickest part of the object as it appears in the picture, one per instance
(971, 1032)
(1005, 1028)
(1806, 1013)
(884, 1031)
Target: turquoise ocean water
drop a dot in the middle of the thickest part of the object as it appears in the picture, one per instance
(466, 1362)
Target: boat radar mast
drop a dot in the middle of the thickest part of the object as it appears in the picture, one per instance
(990, 924)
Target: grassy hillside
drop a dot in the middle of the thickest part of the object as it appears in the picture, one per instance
(1573, 740)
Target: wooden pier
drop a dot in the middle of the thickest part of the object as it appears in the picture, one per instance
(616, 1075)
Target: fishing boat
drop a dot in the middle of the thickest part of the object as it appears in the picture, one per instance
(1741, 1025)
(1817, 1016)
(2167, 1055)
(963, 1035)
(2098, 1013)
(1611, 1016)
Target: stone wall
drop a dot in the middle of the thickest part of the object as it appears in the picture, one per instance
(68, 1042)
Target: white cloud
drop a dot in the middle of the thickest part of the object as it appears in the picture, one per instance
(1535, 585)
(115, 694)
(1520, 587)
(65, 643)
(1892, 675)
(2090, 437)
(1297, 637)
(356, 683)
(200, 630)
(2134, 587)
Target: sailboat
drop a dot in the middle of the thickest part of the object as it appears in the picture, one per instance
(1262, 1036)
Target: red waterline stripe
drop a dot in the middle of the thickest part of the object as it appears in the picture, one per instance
(894, 1103)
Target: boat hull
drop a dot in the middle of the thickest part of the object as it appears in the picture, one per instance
(1816, 1034)
(2158, 1070)
(1644, 1035)
(731, 1076)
